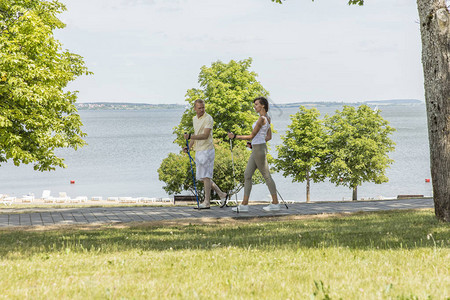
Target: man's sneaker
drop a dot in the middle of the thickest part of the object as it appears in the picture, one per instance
(241, 208)
(272, 207)
(202, 206)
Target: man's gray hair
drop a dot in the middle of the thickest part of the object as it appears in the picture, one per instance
(199, 101)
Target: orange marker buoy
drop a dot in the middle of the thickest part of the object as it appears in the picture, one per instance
(72, 182)
(427, 179)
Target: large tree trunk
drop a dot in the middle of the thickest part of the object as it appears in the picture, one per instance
(355, 193)
(435, 32)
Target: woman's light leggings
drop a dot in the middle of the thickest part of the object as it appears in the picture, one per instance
(258, 161)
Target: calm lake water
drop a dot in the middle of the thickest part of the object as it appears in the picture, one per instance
(125, 149)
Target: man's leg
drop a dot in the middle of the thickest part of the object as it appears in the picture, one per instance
(218, 190)
(207, 186)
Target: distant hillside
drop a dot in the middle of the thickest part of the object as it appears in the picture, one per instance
(395, 102)
(146, 106)
(336, 103)
(124, 106)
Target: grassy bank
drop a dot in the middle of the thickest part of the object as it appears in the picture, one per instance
(388, 255)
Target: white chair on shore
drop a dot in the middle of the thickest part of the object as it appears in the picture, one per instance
(28, 198)
(128, 200)
(46, 197)
(82, 198)
(78, 199)
(147, 200)
(62, 198)
(5, 199)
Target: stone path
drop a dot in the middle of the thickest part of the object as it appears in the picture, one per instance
(103, 215)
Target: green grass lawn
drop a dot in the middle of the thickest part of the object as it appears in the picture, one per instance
(388, 255)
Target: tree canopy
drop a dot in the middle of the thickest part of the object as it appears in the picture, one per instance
(349, 148)
(358, 143)
(304, 148)
(36, 114)
(228, 90)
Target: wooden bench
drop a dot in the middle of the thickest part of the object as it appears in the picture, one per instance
(409, 196)
(185, 198)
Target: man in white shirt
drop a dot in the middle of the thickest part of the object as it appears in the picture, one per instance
(202, 143)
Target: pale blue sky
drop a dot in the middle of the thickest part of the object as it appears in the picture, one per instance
(152, 51)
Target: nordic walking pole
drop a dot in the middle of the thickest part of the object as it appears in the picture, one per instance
(192, 171)
(282, 199)
(284, 202)
(234, 178)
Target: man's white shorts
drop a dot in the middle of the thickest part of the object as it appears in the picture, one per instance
(204, 161)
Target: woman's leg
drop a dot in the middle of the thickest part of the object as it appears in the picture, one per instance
(248, 174)
(263, 167)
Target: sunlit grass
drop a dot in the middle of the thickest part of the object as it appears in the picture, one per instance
(389, 255)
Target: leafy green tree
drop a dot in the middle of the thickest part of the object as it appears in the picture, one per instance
(228, 90)
(36, 114)
(358, 146)
(304, 148)
(175, 171)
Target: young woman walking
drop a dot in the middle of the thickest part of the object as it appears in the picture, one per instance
(261, 133)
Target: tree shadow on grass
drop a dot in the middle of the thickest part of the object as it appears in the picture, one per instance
(381, 230)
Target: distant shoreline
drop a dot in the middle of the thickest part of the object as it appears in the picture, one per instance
(124, 106)
(147, 106)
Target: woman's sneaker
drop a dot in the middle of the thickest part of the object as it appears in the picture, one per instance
(241, 208)
(272, 207)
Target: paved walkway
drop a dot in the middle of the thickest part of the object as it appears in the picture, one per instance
(104, 215)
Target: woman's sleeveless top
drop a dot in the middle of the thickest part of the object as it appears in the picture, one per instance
(260, 137)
